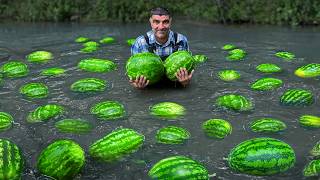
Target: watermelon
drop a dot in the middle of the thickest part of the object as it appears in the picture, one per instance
(310, 121)
(131, 41)
(108, 110)
(297, 97)
(228, 75)
(265, 84)
(236, 54)
(116, 145)
(82, 39)
(312, 169)
(268, 68)
(62, 160)
(234, 102)
(262, 157)
(172, 135)
(200, 58)
(228, 47)
(11, 161)
(97, 65)
(89, 49)
(52, 72)
(285, 55)
(177, 60)
(6, 121)
(178, 167)
(147, 64)
(34, 90)
(39, 56)
(14, 69)
(44, 113)
(90, 44)
(168, 110)
(107, 40)
(267, 125)
(76, 126)
(315, 151)
(308, 71)
(89, 85)
(217, 128)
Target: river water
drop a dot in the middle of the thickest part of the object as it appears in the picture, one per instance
(260, 42)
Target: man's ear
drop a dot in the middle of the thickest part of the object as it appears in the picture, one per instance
(150, 20)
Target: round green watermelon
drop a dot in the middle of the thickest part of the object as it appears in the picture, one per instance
(177, 60)
(39, 56)
(167, 110)
(172, 135)
(14, 69)
(217, 128)
(108, 110)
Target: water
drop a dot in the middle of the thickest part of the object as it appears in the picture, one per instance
(260, 42)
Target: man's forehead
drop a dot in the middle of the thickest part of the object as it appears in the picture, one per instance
(160, 17)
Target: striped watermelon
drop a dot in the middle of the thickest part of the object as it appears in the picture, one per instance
(97, 65)
(52, 72)
(62, 160)
(89, 85)
(310, 121)
(77, 126)
(228, 47)
(107, 40)
(91, 44)
(268, 68)
(315, 151)
(308, 71)
(265, 84)
(200, 58)
(236, 54)
(235, 102)
(89, 49)
(168, 110)
(172, 135)
(116, 145)
(131, 41)
(228, 75)
(217, 128)
(178, 167)
(14, 69)
(43, 113)
(108, 110)
(34, 90)
(82, 39)
(267, 125)
(6, 121)
(11, 161)
(262, 156)
(297, 97)
(177, 60)
(39, 56)
(285, 55)
(312, 169)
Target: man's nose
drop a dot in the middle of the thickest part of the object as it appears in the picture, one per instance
(161, 26)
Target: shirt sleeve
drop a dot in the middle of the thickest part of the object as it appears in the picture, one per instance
(183, 43)
(139, 46)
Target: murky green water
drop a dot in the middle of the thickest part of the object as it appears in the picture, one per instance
(260, 42)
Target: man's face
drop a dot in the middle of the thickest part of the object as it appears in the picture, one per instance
(160, 25)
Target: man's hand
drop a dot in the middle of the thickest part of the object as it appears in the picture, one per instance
(183, 77)
(140, 82)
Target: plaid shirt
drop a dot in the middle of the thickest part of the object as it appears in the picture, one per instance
(165, 49)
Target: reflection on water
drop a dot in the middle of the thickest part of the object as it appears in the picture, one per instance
(260, 42)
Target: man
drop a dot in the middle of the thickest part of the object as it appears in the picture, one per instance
(163, 42)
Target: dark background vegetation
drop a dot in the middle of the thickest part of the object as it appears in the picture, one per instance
(290, 12)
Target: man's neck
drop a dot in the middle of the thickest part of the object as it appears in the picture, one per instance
(163, 40)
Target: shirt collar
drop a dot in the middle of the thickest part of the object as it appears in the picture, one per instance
(152, 38)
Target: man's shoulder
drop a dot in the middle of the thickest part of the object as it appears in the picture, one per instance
(181, 37)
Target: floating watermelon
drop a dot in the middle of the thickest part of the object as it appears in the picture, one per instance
(310, 121)
(265, 84)
(236, 54)
(43, 113)
(97, 65)
(11, 159)
(107, 40)
(14, 69)
(63, 159)
(131, 42)
(108, 110)
(178, 167)
(297, 97)
(168, 110)
(308, 71)
(268, 68)
(177, 60)
(315, 151)
(116, 145)
(235, 102)
(77, 126)
(228, 47)
(39, 56)
(172, 135)
(6, 121)
(200, 58)
(147, 64)
(89, 85)
(217, 128)
(89, 49)
(267, 125)
(285, 55)
(52, 72)
(229, 75)
(312, 169)
(34, 90)
(82, 39)
(90, 44)
(262, 157)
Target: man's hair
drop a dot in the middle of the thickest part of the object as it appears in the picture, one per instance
(160, 11)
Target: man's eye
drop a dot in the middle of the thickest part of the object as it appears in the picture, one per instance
(156, 22)
(165, 22)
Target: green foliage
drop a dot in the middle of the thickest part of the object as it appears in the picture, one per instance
(293, 12)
